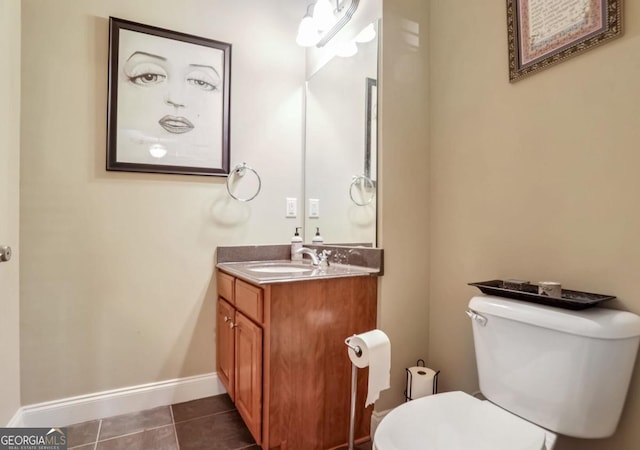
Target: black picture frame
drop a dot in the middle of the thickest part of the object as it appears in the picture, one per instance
(542, 33)
(168, 101)
(371, 130)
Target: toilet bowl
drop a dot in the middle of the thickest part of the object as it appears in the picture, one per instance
(458, 421)
(528, 357)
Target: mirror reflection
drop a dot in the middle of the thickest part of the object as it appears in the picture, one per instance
(341, 148)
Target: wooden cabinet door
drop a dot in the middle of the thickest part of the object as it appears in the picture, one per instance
(225, 355)
(249, 374)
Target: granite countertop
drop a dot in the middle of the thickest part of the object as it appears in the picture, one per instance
(245, 271)
(265, 264)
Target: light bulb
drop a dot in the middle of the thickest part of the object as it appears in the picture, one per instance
(367, 34)
(307, 33)
(347, 49)
(323, 15)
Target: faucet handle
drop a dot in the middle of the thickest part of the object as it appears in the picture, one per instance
(324, 257)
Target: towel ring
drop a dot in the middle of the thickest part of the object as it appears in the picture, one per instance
(362, 179)
(240, 170)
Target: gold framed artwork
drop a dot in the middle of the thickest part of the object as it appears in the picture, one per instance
(545, 32)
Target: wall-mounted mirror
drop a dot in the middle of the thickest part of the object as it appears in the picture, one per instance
(341, 148)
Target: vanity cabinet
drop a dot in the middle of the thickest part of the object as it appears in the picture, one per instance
(248, 364)
(239, 348)
(282, 358)
(225, 345)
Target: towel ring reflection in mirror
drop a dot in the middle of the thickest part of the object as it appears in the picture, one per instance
(362, 190)
(237, 174)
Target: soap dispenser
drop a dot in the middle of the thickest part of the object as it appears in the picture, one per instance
(317, 239)
(296, 244)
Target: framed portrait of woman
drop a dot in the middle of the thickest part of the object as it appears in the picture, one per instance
(168, 101)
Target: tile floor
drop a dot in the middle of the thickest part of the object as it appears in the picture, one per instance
(207, 424)
(211, 423)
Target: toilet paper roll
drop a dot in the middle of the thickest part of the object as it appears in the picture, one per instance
(376, 354)
(420, 382)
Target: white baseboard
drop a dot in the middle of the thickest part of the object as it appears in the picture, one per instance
(376, 418)
(68, 411)
(16, 421)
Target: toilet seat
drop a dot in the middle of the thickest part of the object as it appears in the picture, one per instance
(456, 421)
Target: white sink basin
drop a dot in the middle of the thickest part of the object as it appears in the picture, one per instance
(281, 268)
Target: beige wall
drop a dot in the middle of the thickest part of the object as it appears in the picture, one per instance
(533, 180)
(117, 285)
(403, 170)
(9, 204)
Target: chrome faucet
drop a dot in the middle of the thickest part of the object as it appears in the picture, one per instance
(312, 254)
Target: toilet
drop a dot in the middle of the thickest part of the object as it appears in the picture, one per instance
(543, 371)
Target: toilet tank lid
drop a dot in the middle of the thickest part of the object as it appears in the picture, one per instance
(593, 322)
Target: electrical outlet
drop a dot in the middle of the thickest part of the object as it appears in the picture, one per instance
(292, 207)
(314, 207)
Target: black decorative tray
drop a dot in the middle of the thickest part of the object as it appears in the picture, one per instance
(529, 293)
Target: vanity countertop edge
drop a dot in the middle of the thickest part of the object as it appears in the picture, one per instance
(237, 261)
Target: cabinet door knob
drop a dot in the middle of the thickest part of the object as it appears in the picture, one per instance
(232, 325)
(227, 319)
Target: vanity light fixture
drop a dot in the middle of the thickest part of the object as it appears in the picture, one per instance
(323, 15)
(367, 34)
(308, 35)
(325, 22)
(347, 50)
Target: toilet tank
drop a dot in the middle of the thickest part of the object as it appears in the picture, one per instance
(567, 371)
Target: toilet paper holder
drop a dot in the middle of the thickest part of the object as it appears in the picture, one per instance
(407, 393)
(356, 349)
(354, 386)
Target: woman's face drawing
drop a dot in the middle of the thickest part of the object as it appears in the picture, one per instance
(169, 100)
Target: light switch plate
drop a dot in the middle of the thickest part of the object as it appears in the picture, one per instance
(292, 207)
(314, 207)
